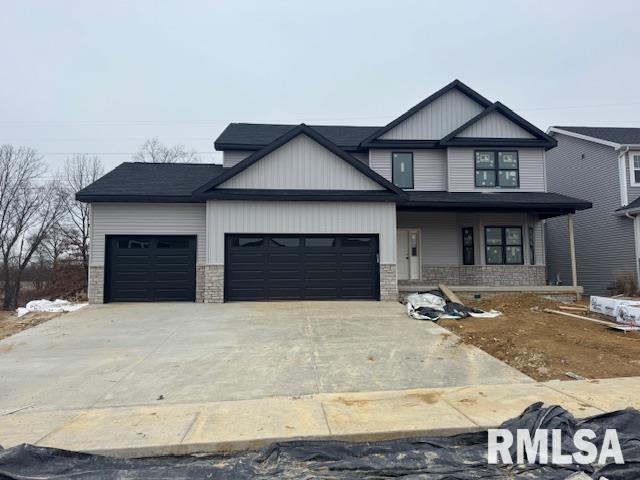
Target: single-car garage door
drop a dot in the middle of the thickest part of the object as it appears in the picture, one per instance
(301, 267)
(143, 268)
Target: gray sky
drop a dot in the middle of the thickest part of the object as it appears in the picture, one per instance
(102, 76)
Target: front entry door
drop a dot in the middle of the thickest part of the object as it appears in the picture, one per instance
(408, 254)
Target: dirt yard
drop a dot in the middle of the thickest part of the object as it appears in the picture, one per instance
(10, 324)
(546, 346)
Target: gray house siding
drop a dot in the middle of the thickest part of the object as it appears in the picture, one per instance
(437, 119)
(145, 219)
(429, 167)
(604, 241)
(231, 157)
(461, 170)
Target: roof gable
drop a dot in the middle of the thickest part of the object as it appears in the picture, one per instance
(290, 163)
(457, 99)
(302, 164)
(495, 125)
(496, 120)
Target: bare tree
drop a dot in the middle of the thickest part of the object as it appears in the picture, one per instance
(78, 172)
(154, 151)
(56, 243)
(28, 209)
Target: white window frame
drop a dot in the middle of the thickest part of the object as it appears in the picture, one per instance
(632, 168)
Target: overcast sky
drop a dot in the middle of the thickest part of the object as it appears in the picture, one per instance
(102, 76)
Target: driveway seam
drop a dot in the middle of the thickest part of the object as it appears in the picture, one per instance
(546, 385)
(135, 365)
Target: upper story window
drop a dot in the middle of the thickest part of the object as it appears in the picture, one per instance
(497, 169)
(402, 169)
(635, 170)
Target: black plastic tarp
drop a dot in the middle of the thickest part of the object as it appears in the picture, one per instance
(460, 457)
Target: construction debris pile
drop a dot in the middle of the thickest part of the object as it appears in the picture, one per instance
(434, 305)
(625, 312)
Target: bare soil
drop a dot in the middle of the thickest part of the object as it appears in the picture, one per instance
(10, 324)
(546, 346)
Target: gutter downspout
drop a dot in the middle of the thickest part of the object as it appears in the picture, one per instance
(622, 173)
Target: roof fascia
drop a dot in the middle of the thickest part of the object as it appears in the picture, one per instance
(569, 133)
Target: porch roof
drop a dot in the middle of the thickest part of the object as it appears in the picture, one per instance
(544, 203)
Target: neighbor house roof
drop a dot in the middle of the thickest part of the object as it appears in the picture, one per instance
(150, 182)
(615, 136)
(541, 202)
(254, 136)
(632, 207)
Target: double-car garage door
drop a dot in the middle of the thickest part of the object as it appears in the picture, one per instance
(257, 267)
(301, 267)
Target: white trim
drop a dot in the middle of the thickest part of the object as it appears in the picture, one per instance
(636, 236)
(622, 178)
(632, 177)
(582, 137)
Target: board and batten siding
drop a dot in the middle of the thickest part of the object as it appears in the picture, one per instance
(429, 167)
(436, 119)
(441, 234)
(231, 157)
(300, 218)
(604, 240)
(146, 219)
(461, 170)
(495, 125)
(302, 163)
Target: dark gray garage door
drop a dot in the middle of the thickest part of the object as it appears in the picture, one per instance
(150, 268)
(301, 267)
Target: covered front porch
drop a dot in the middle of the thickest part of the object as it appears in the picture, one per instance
(478, 239)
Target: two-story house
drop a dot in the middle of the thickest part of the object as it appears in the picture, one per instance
(454, 190)
(602, 165)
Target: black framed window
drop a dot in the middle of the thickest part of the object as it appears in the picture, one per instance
(503, 245)
(532, 246)
(467, 246)
(497, 169)
(402, 169)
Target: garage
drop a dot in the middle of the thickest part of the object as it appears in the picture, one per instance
(150, 268)
(301, 267)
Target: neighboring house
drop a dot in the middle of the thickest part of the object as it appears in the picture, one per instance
(454, 191)
(601, 165)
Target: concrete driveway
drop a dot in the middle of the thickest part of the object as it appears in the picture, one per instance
(137, 354)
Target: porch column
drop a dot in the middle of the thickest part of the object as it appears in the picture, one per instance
(572, 253)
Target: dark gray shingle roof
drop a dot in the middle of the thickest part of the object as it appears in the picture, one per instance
(622, 135)
(261, 134)
(632, 206)
(522, 201)
(134, 181)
